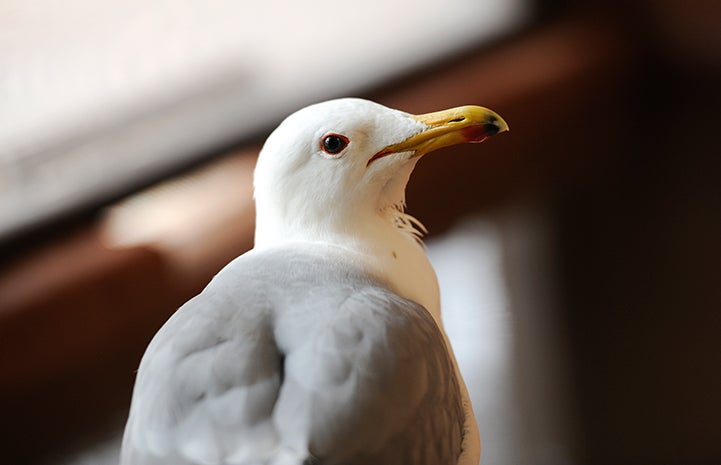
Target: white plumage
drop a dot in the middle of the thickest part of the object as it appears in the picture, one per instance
(323, 344)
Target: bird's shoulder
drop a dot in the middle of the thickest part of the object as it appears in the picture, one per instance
(206, 385)
(210, 378)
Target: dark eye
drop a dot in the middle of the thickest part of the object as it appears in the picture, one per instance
(334, 144)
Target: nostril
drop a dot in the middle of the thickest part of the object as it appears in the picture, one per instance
(460, 119)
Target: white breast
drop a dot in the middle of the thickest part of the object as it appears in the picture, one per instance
(400, 260)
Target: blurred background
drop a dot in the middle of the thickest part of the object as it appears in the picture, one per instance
(578, 255)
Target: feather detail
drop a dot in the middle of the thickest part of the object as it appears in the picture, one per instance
(405, 222)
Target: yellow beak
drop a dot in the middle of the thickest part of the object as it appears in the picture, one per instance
(449, 127)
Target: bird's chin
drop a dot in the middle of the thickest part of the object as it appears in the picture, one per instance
(393, 179)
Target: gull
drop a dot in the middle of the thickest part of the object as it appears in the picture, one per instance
(324, 344)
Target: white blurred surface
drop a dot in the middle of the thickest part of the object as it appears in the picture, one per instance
(96, 94)
(478, 320)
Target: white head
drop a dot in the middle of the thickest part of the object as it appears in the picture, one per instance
(330, 168)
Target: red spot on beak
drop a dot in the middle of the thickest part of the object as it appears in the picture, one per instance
(476, 134)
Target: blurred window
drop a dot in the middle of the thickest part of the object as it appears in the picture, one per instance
(99, 96)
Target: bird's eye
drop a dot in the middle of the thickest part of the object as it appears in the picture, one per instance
(334, 144)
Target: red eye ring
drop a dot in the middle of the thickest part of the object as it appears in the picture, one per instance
(333, 144)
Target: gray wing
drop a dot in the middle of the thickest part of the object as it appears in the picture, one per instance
(206, 387)
(375, 385)
(293, 357)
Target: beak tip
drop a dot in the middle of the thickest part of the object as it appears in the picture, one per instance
(495, 125)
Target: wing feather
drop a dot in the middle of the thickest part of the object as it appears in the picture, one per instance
(373, 384)
(206, 386)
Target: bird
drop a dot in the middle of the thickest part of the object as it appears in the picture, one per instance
(324, 343)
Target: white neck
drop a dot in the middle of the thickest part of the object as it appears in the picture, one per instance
(371, 241)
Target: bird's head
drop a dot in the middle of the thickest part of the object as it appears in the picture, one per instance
(329, 166)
